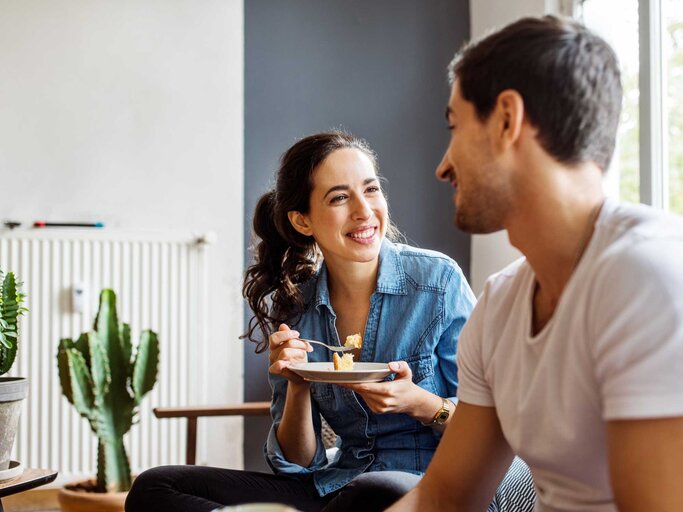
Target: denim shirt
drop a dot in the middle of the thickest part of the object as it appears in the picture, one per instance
(417, 310)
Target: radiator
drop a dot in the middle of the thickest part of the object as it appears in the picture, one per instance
(160, 281)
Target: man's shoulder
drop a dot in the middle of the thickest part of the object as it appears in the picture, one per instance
(507, 279)
(637, 222)
(504, 292)
(640, 238)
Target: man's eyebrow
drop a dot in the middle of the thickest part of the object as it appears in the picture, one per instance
(344, 186)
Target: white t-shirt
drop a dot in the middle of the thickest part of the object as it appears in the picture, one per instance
(613, 349)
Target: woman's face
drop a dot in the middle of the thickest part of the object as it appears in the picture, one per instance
(348, 214)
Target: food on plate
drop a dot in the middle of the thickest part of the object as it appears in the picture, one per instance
(354, 340)
(343, 363)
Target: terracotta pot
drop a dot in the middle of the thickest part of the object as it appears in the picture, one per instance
(77, 497)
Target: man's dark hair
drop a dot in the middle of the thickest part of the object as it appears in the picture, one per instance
(567, 76)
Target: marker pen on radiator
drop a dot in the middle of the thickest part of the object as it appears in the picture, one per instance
(44, 224)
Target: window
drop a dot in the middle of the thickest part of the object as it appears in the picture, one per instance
(648, 39)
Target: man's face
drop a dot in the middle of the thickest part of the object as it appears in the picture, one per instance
(470, 164)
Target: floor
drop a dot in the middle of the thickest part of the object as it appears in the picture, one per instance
(38, 500)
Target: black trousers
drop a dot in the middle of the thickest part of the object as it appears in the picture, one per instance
(204, 489)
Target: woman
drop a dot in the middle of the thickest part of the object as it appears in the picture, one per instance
(326, 267)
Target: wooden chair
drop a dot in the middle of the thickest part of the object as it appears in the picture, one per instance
(192, 413)
(243, 409)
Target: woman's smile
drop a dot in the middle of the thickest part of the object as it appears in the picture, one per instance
(365, 235)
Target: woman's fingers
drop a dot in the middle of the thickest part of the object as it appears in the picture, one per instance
(287, 353)
(388, 396)
(294, 348)
(281, 336)
(279, 366)
(286, 348)
(294, 354)
(401, 369)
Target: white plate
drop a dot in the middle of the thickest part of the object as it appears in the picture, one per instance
(258, 507)
(15, 469)
(325, 372)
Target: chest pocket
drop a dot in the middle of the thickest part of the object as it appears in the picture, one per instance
(421, 366)
(322, 393)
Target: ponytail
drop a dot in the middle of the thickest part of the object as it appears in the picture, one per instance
(270, 284)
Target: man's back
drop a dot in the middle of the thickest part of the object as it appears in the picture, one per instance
(606, 354)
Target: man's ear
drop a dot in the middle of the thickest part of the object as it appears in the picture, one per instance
(509, 116)
(300, 222)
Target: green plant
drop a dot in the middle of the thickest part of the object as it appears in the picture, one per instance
(11, 299)
(105, 382)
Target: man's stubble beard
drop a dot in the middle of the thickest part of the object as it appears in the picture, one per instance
(485, 218)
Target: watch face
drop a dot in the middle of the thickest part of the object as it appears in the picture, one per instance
(443, 414)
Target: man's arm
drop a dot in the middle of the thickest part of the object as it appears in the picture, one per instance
(646, 464)
(468, 465)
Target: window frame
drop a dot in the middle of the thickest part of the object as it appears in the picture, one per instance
(653, 122)
(654, 163)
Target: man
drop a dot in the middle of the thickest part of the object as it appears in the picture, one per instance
(573, 356)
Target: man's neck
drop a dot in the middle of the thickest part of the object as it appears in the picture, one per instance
(553, 225)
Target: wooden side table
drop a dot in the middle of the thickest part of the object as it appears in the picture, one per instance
(29, 479)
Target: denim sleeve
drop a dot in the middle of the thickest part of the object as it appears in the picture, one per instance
(458, 304)
(274, 456)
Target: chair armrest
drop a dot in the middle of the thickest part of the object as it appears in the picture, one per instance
(192, 413)
(243, 409)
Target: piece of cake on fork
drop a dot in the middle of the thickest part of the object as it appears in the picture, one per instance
(354, 340)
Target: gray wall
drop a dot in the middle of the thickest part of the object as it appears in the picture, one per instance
(375, 68)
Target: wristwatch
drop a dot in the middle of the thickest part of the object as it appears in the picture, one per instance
(443, 413)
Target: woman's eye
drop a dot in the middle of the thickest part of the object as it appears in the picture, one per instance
(372, 189)
(337, 199)
(451, 127)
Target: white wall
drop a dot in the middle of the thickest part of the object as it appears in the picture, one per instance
(490, 253)
(131, 112)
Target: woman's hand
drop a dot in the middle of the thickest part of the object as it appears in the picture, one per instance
(285, 350)
(295, 434)
(400, 395)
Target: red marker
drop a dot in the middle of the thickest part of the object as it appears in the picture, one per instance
(43, 224)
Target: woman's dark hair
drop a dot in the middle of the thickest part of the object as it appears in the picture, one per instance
(284, 257)
(567, 76)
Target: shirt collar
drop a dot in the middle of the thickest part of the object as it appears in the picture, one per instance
(391, 278)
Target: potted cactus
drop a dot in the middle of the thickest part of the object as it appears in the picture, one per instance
(13, 390)
(106, 382)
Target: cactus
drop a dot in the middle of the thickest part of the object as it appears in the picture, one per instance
(11, 299)
(105, 383)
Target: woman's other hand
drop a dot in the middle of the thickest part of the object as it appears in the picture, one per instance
(285, 350)
(400, 395)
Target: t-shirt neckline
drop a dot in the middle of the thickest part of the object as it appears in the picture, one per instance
(607, 207)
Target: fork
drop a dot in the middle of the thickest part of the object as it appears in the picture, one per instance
(330, 347)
